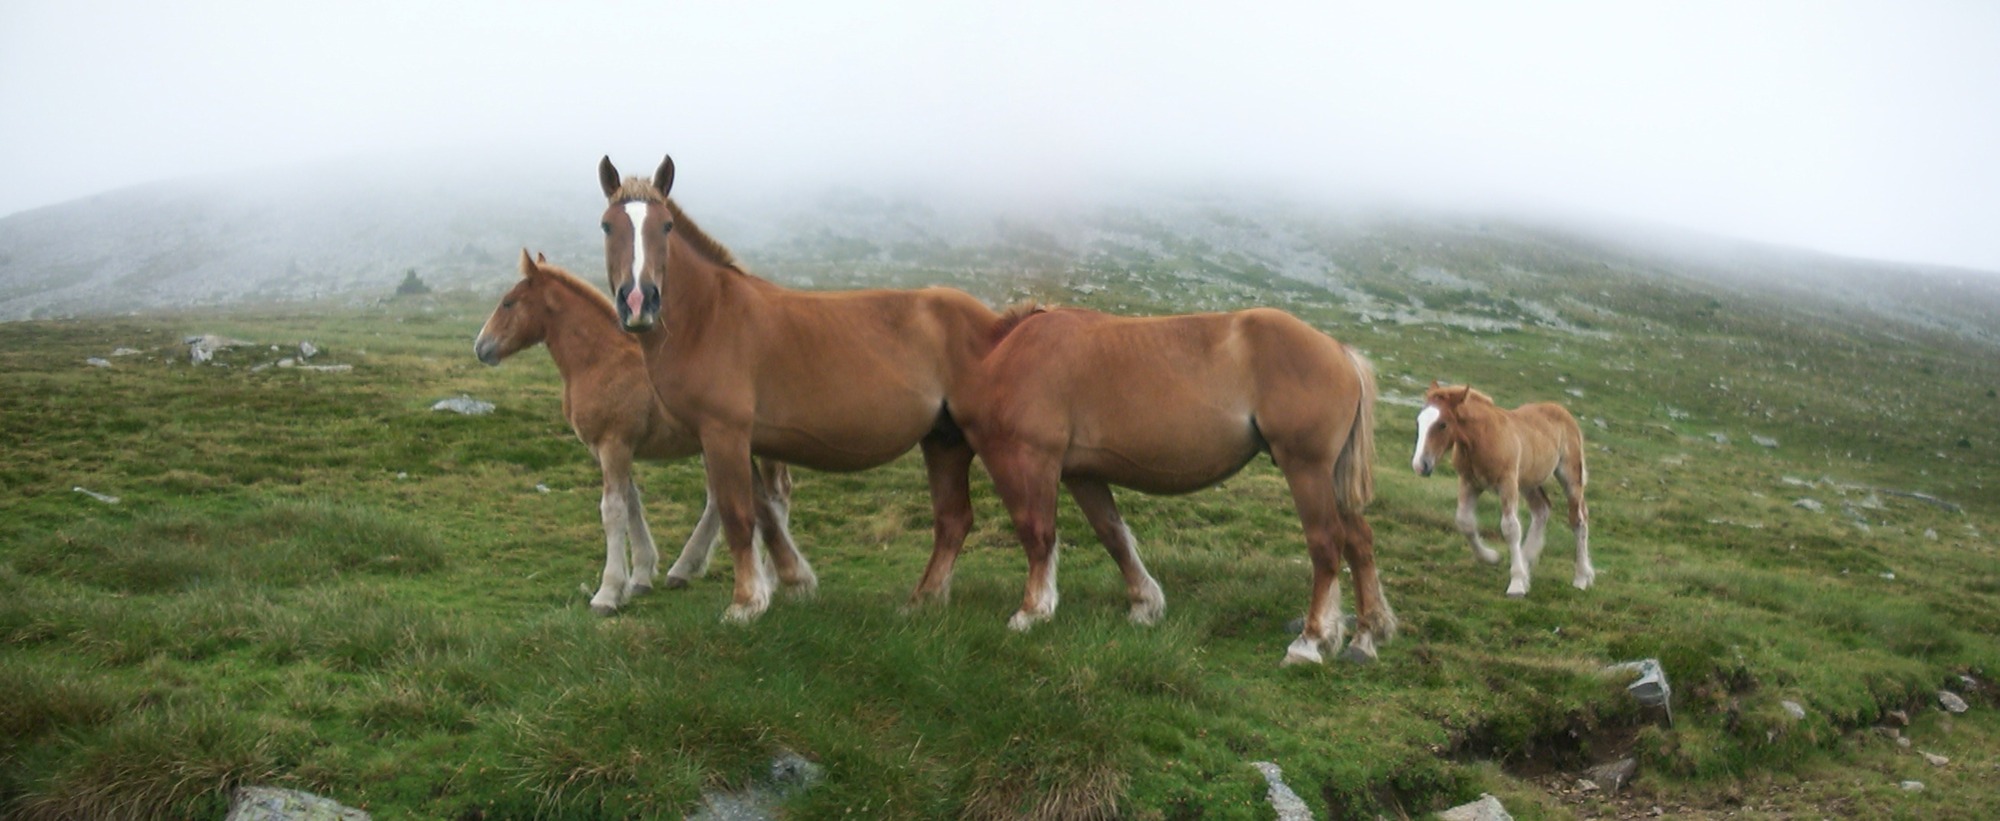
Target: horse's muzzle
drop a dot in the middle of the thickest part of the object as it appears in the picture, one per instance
(640, 310)
(487, 350)
(1423, 467)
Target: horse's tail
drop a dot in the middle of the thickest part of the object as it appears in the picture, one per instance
(1354, 469)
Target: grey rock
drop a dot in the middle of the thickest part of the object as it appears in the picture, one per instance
(463, 404)
(1651, 687)
(1898, 718)
(1935, 759)
(127, 352)
(1912, 786)
(307, 350)
(273, 804)
(96, 362)
(102, 497)
(1951, 702)
(1487, 808)
(1794, 709)
(327, 368)
(203, 347)
(1719, 437)
(789, 775)
(1614, 775)
(1764, 441)
(1813, 505)
(1599, 422)
(1287, 804)
(286, 362)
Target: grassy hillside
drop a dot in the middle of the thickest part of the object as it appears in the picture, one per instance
(312, 580)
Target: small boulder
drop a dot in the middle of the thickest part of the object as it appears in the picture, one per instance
(1935, 759)
(1813, 505)
(1912, 786)
(1951, 702)
(465, 405)
(1487, 808)
(1614, 775)
(97, 362)
(1287, 804)
(1794, 709)
(1651, 687)
(307, 350)
(1764, 441)
(1719, 437)
(273, 804)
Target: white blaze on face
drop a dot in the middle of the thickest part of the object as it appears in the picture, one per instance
(637, 212)
(1427, 417)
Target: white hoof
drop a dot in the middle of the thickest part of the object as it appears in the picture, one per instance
(743, 613)
(1147, 613)
(804, 587)
(1303, 651)
(1023, 621)
(1583, 581)
(1487, 555)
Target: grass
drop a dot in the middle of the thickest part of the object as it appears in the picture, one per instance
(313, 581)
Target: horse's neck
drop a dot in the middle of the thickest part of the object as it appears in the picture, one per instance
(578, 333)
(1477, 422)
(696, 287)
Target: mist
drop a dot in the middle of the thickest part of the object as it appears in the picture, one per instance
(1856, 129)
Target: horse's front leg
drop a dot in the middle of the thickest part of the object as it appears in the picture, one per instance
(1510, 529)
(1468, 522)
(1147, 602)
(616, 463)
(773, 487)
(693, 562)
(1538, 523)
(645, 556)
(732, 488)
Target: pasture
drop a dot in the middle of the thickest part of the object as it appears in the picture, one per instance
(311, 580)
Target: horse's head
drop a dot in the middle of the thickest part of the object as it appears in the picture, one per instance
(520, 320)
(1437, 425)
(636, 224)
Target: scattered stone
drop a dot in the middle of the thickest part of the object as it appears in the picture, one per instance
(307, 350)
(541, 487)
(1764, 441)
(1795, 481)
(1613, 776)
(1887, 731)
(1586, 785)
(112, 500)
(1936, 760)
(1719, 437)
(1912, 786)
(1898, 718)
(1284, 802)
(286, 362)
(1487, 808)
(465, 405)
(1813, 505)
(1931, 533)
(203, 347)
(1576, 392)
(273, 804)
(327, 368)
(127, 352)
(1651, 687)
(1889, 576)
(1794, 709)
(97, 363)
(401, 475)
(790, 774)
(1951, 702)
(1903, 741)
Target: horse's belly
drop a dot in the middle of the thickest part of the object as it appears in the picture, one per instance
(1154, 463)
(845, 444)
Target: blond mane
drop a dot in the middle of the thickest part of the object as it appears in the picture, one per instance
(584, 290)
(640, 189)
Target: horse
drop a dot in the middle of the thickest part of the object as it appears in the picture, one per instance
(610, 406)
(830, 380)
(1171, 405)
(1514, 453)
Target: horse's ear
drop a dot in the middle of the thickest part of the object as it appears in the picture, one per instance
(1435, 385)
(607, 176)
(527, 265)
(663, 179)
(541, 259)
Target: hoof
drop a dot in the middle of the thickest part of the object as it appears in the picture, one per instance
(605, 610)
(741, 614)
(1359, 651)
(1147, 614)
(1023, 621)
(1488, 556)
(1517, 594)
(675, 583)
(807, 589)
(639, 590)
(1583, 582)
(1302, 651)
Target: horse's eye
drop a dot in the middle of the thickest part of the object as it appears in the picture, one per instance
(606, 226)
(668, 228)
(507, 304)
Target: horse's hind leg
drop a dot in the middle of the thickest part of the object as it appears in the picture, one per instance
(949, 466)
(1148, 603)
(1579, 521)
(772, 482)
(693, 562)
(1374, 621)
(1312, 494)
(1538, 523)
(613, 507)
(1510, 529)
(1468, 523)
(645, 555)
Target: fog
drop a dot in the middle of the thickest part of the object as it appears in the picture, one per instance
(1859, 129)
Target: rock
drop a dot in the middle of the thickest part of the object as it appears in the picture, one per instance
(1764, 441)
(1651, 687)
(1931, 533)
(1284, 802)
(1903, 741)
(307, 350)
(1935, 759)
(203, 347)
(1586, 785)
(1614, 775)
(1951, 702)
(465, 405)
(1912, 786)
(1794, 709)
(1576, 392)
(1487, 808)
(273, 804)
(105, 498)
(327, 368)
(541, 488)
(1719, 437)
(286, 362)
(127, 352)
(1813, 505)
(97, 363)
(790, 774)
(1598, 421)
(1898, 718)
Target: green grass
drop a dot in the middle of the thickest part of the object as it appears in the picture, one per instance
(313, 581)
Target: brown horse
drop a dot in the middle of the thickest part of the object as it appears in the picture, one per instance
(609, 404)
(1172, 405)
(836, 381)
(1513, 452)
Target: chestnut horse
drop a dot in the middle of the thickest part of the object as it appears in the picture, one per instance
(838, 381)
(1175, 404)
(612, 409)
(1512, 452)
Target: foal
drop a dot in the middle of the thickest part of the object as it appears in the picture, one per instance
(1513, 452)
(611, 407)
(1175, 404)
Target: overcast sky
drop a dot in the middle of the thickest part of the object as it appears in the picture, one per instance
(1863, 129)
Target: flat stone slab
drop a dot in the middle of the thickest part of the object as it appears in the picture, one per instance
(273, 804)
(1287, 804)
(1487, 808)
